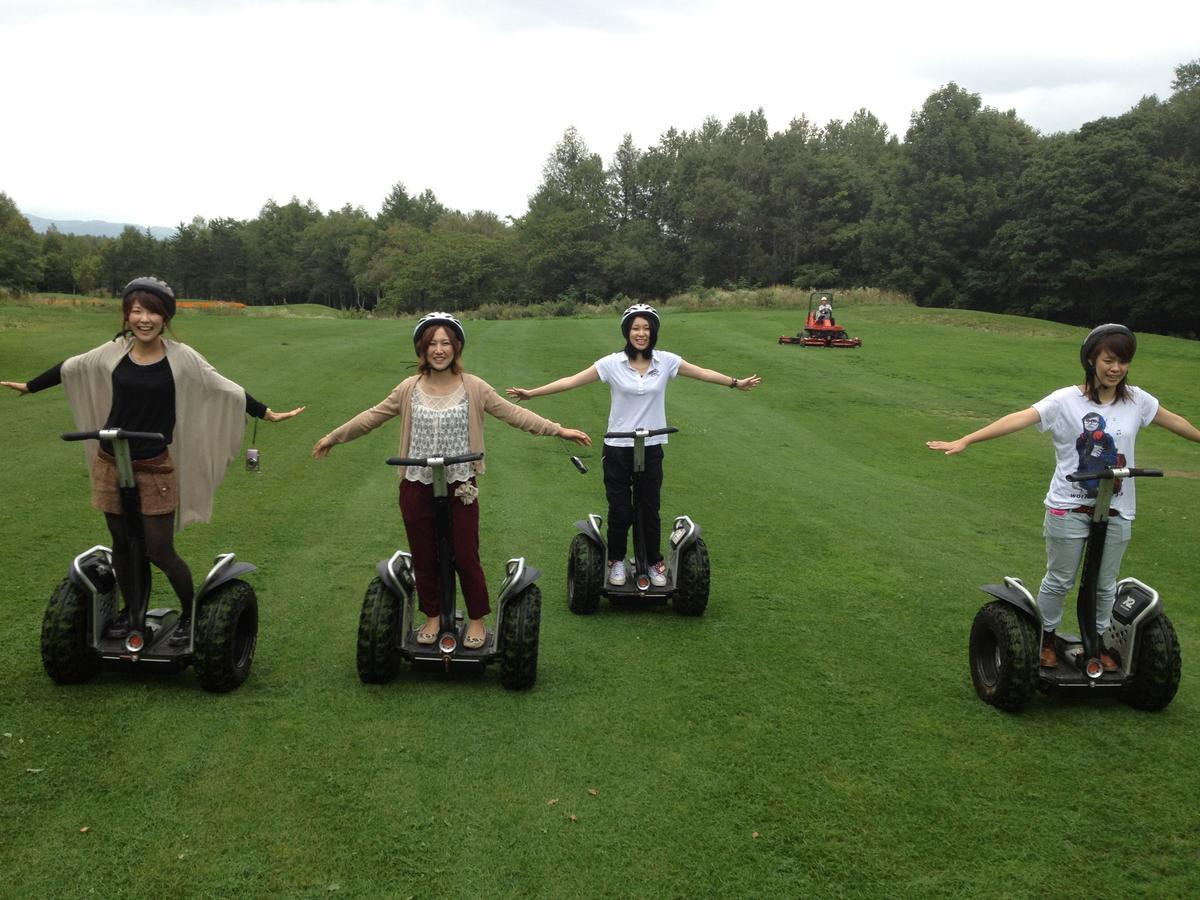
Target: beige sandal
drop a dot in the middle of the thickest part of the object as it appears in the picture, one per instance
(427, 637)
(474, 643)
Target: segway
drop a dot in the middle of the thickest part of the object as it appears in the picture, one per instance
(1006, 634)
(386, 629)
(687, 561)
(82, 632)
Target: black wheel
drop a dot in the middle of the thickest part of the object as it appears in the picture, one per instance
(1004, 656)
(691, 581)
(226, 635)
(1156, 667)
(585, 576)
(379, 636)
(65, 652)
(519, 639)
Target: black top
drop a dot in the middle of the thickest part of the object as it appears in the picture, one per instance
(143, 400)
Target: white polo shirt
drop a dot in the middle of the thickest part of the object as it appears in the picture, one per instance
(638, 401)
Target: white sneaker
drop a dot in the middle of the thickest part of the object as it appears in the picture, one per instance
(616, 572)
(658, 574)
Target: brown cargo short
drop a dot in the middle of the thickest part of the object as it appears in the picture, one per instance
(155, 478)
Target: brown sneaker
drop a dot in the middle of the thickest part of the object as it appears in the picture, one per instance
(1108, 662)
(1049, 656)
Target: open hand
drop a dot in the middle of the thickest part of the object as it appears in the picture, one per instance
(19, 386)
(273, 416)
(518, 394)
(321, 448)
(948, 447)
(574, 434)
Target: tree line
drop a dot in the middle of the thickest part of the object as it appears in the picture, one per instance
(972, 209)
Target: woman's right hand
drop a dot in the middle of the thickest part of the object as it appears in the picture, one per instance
(519, 394)
(20, 387)
(948, 447)
(321, 448)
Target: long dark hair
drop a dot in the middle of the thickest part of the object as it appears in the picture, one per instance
(426, 339)
(1122, 346)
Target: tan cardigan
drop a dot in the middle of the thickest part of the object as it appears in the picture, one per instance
(210, 417)
(481, 398)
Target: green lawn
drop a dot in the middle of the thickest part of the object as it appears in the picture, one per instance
(814, 734)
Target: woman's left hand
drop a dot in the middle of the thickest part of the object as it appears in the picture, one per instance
(574, 434)
(744, 384)
(273, 416)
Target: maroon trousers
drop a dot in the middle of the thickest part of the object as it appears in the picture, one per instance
(416, 506)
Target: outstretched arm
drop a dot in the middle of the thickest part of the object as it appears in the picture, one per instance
(714, 377)
(1176, 424)
(587, 376)
(19, 386)
(273, 416)
(1005, 425)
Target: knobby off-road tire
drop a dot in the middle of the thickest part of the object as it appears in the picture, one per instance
(379, 635)
(519, 639)
(226, 635)
(585, 576)
(692, 580)
(1157, 667)
(1004, 652)
(65, 652)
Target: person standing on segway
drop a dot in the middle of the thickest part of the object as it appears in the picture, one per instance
(443, 409)
(637, 379)
(141, 381)
(1104, 412)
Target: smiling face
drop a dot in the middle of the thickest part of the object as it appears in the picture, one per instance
(438, 350)
(146, 324)
(1110, 369)
(639, 334)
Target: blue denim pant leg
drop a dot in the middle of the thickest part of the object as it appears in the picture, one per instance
(1065, 537)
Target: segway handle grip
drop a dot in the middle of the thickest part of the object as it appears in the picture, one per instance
(431, 460)
(1115, 473)
(113, 434)
(653, 432)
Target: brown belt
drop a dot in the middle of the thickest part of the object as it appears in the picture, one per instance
(156, 465)
(1091, 511)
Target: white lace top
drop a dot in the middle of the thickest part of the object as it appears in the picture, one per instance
(439, 428)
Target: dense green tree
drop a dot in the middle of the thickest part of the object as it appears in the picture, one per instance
(20, 251)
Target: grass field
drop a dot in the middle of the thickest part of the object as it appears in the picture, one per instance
(814, 734)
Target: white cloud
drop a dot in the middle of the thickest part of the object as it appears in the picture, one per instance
(153, 112)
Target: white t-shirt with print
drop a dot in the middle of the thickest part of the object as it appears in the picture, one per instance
(1107, 438)
(638, 401)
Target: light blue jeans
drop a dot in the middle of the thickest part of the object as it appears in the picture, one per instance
(1066, 533)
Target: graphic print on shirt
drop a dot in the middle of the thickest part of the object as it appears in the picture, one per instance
(1097, 451)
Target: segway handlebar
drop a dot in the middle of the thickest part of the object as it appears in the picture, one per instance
(113, 434)
(434, 460)
(653, 432)
(1115, 473)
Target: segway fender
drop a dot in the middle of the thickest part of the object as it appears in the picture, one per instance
(1014, 593)
(92, 571)
(590, 528)
(518, 577)
(397, 573)
(225, 569)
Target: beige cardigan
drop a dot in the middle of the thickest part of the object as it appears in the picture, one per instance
(481, 398)
(210, 417)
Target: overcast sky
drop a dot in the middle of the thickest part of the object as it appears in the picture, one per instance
(155, 111)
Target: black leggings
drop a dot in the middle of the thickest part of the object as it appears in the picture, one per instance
(160, 550)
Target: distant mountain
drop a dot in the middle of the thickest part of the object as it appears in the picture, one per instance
(99, 229)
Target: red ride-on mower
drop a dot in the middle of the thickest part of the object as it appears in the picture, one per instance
(820, 328)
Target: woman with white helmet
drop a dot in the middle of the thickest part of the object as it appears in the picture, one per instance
(637, 378)
(143, 381)
(442, 409)
(1093, 425)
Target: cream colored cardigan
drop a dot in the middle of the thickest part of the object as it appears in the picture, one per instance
(481, 398)
(210, 417)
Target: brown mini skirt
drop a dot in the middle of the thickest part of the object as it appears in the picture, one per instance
(155, 480)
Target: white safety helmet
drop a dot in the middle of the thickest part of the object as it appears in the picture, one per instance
(646, 311)
(440, 318)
